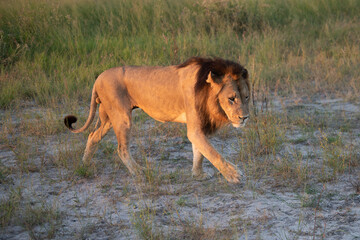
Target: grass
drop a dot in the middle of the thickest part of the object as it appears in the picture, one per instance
(143, 223)
(337, 156)
(15, 211)
(9, 206)
(45, 216)
(51, 53)
(55, 49)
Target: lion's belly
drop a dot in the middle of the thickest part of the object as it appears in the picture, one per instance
(157, 91)
(161, 106)
(179, 119)
(162, 114)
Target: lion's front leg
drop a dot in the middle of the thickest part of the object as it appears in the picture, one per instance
(227, 169)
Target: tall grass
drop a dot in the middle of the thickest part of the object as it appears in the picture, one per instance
(52, 51)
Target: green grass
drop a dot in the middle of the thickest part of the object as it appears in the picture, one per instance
(338, 156)
(51, 52)
(15, 211)
(48, 217)
(9, 206)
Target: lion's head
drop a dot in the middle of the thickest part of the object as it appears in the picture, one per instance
(222, 93)
(232, 96)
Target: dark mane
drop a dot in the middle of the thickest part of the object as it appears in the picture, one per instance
(217, 66)
(210, 121)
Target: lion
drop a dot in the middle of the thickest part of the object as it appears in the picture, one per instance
(204, 93)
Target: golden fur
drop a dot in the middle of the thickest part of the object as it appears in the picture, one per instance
(204, 93)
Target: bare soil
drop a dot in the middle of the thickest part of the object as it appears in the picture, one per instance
(42, 175)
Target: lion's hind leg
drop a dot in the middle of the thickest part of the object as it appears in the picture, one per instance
(97, 135)
(121, 119)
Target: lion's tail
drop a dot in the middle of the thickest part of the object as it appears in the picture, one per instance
(70, 119)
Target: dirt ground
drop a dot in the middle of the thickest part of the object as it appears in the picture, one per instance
(46, 193)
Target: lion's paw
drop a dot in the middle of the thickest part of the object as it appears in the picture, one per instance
(231, 173)
(135, 169)
(203, 175)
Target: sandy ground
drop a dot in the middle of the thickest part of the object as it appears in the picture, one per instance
(169, 203)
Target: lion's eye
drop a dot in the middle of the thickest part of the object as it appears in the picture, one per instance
(232, 99)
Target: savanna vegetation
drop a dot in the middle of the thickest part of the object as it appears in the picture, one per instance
(52, 51)
(303, 57)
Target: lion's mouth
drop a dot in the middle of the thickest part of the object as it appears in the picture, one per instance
(241, 123)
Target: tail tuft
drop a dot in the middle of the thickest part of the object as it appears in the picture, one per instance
(69, 120)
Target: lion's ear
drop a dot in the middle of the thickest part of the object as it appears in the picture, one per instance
(214, 78)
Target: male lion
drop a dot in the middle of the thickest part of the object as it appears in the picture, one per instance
(204, 93)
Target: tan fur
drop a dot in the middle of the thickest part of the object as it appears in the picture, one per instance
(204, 93)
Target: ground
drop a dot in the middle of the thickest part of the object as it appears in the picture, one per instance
(300, 158)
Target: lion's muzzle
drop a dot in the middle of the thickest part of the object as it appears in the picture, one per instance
(242, 121)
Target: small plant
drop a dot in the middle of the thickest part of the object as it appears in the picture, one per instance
(264, 134)
(309, 201)
(172, 177)
(42, 215)
(335, 140)
(9, 206)
(336, 155)
(261, 139)
(108, 148)
(68, 154)
(181, 201)
(300, 140)
(291, 169)
(310, 189)
(4, 173)
(84, 171)
(143, 221)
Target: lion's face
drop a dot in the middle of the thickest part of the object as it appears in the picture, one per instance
(233, 96)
